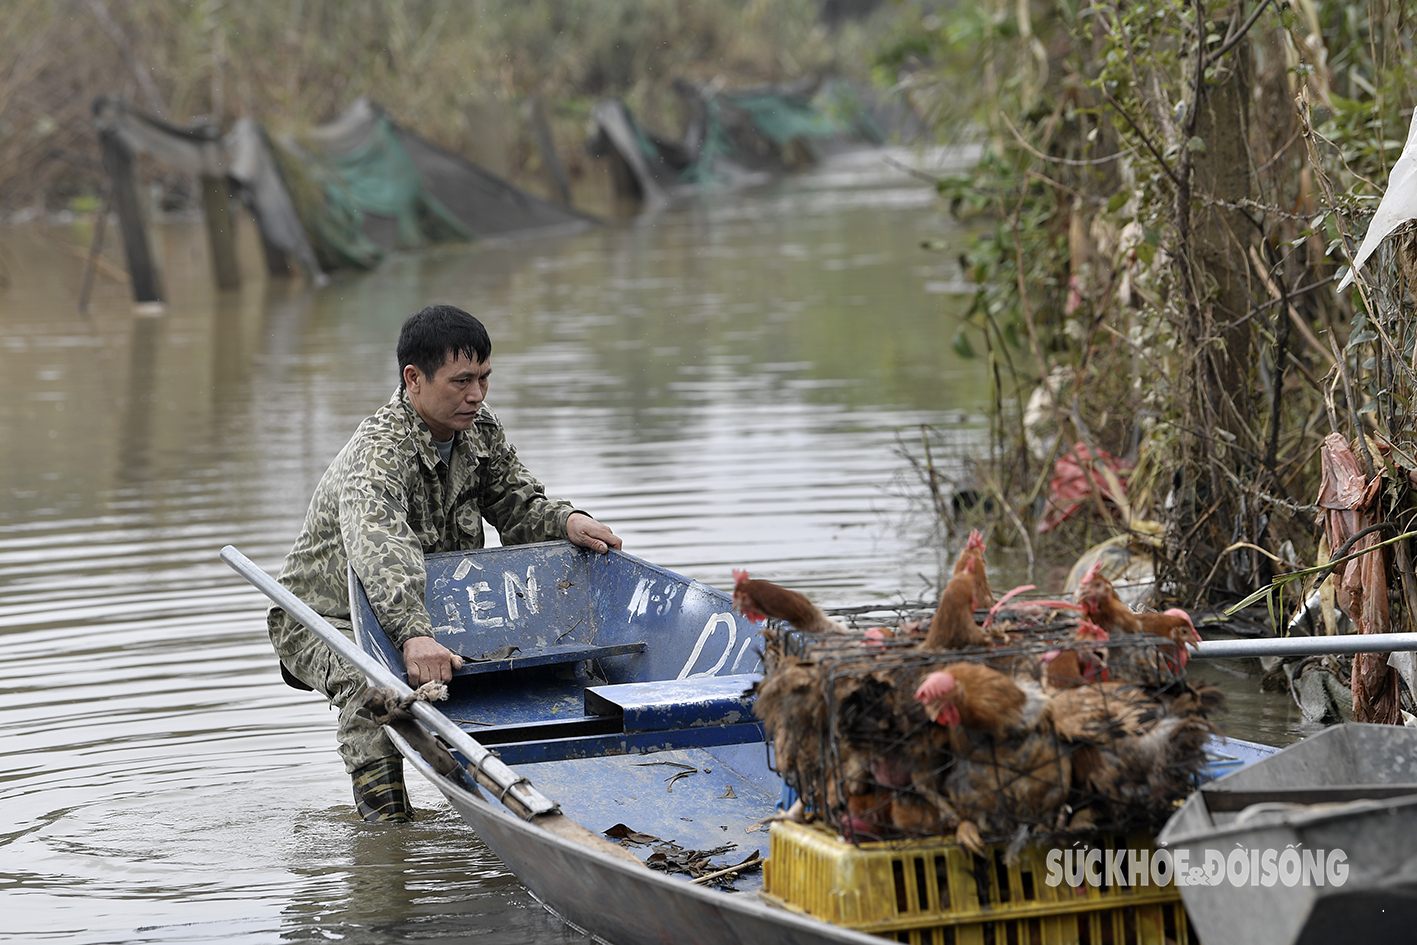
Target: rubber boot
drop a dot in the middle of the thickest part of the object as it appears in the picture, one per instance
(379, 794)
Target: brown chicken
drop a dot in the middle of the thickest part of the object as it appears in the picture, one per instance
(1175, 625)
(1100, 603)
(1082, 663)
(1135, 752)
(953, 625)
(974, 696)
(973, 551)
(878, 722)
(1010, 773)
(789, 701)
(759, 600)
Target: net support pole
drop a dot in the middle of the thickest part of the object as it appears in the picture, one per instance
(118, 162)
(216, 211)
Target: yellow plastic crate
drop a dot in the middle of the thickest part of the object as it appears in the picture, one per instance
(932, 892)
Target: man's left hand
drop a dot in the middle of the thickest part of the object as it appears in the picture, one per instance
(588, 533)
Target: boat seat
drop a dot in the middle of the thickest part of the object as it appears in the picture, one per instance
(673, 704)
(543, 656)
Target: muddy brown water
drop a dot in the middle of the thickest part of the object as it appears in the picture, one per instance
(724, 382)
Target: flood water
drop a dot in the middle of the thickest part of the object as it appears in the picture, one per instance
(723, 382)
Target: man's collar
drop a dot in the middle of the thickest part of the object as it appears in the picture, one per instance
(423, 436)
(418, 429)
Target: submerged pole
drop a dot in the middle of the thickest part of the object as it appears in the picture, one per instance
(550, 160)
(216, 210)
(118, 162)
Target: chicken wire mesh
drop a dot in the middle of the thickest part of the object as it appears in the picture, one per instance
(1015, 745)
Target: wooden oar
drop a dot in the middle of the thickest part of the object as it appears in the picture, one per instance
(513, 790)
(1304, 646)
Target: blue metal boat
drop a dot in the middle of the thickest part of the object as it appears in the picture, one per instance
(618, 687)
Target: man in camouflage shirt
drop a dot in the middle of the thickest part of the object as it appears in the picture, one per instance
(417, 477)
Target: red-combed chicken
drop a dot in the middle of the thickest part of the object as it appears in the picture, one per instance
(953, 625)
(974, 696)
(1100, 603)
(973, 551)
(1175, 625)
(1135, 752)
(1009, 772)
(758, 600)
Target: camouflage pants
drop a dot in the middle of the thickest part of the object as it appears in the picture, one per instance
(361, 739)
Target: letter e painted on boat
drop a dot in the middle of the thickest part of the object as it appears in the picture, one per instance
(479, 607)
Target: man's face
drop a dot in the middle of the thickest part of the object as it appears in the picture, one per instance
(449, 400)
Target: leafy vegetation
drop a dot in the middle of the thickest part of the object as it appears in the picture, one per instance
(1174, 187)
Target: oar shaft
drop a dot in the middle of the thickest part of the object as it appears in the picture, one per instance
(379, 675)
(1305, 646)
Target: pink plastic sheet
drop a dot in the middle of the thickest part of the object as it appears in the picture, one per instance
(1076, 475)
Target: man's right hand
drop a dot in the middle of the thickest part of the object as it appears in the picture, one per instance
(588, 533)
(427, 660)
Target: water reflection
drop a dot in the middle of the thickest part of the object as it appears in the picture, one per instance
(724, 382)
(135, 446)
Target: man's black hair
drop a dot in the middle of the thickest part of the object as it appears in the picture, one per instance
(430, 337)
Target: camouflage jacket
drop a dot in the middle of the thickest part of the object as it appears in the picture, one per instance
(388, 499)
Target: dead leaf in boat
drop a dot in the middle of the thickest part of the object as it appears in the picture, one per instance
(624, 833)
(728, 793)
(681, 774)
(672, 764)
(672, 858)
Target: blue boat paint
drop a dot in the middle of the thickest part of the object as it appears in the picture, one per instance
(660, 705)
